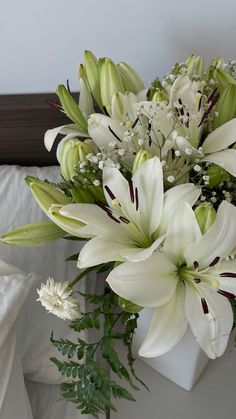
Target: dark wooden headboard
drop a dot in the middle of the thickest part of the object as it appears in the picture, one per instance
(24, 119)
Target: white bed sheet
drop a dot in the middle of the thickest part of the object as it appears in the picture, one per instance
(31, 331)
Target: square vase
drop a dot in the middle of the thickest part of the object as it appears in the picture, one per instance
(183, 364)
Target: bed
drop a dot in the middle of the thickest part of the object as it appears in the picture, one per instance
(29, 383)
(29, 386)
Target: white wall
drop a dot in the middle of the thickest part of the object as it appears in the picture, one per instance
(42, 41)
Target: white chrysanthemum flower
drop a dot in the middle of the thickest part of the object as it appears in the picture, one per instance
(56, 298)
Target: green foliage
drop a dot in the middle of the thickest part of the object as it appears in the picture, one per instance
(233, 305)
(91, 389)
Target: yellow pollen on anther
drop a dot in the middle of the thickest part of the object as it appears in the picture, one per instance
(115, 203)
(128, 124)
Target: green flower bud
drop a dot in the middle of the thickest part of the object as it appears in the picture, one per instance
(159, 96)
(195, 66)
(31, 235)
(110, 82)
(205, 215)
(131, 80)
(46, 194)
(82, 195)
(91, 67)
(217, 175)
(71, 108)
(140, 158)
(67, 224)
(225, 109)
(85, 99)
(128, 306)
(117, 106)
(223, 79)
(72, 152)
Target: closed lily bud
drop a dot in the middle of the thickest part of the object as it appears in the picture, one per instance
(82, 195)
(71, 108)
(117, 106)
(217, 175)
(91, 67)
(223, 79)
(140, 158)
(85, 99)
(46, 194)
(159, 96)
(128, 306)
(225, 109)
(205, 215)
(67, 224)
(31, 235)
(110, 82)
(72, 152)
(131, 80)
(195, 66)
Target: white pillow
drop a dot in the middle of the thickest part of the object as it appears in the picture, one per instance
(35, 325)
(14, 288)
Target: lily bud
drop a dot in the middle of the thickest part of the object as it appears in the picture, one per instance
(205, 215)
(217, 175)
(91, 67)
(117, 106)
(225, 109)
(71, 153)
(71, 108)
(128, 306)
(223, 79)
(46, 194)
(131, 80)
(195, 66)
(67, 224)
(159, 96)
(140, 158)
(110, 82)
(31, 235)
(82, 195)
(85, 99)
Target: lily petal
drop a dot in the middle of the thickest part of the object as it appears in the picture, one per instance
(218, 241)
(173, 198)
(183, 230)
(104, 130)
(211, 329)
(227, 279)
(149, 284)
(225, 159)
(100, 250)
(139, 254)
(98, 222)
(148, 183)
(72, 130)
(220, 138)
(167, 327)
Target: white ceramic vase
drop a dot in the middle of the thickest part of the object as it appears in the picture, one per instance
(183, 364)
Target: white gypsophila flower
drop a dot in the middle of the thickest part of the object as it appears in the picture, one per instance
(56, 298)
(188, 282)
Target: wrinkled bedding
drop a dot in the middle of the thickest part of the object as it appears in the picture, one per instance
(29, 382)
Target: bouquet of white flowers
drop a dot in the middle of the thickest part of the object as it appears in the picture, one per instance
(148, 181)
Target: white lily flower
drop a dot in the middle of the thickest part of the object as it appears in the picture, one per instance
(186, 283)
(214, 148)
(133, 223)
